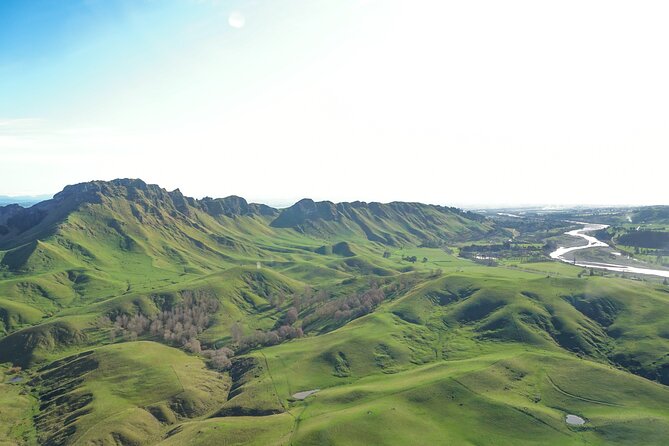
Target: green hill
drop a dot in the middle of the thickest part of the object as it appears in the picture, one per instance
(134, 315)
(391, 224)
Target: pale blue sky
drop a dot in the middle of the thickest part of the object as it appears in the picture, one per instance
(480, 102)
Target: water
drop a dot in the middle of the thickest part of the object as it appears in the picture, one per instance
(306, 393)
(574, 420)
(593, 242)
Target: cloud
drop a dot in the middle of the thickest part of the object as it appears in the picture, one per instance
(25, 137)
(19, 124)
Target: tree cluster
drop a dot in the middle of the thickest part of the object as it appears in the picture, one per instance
(179, 325)
(486, 254)
(349, 307)
(407, 281)
(299, 300)
(219, 359)
(261, 338)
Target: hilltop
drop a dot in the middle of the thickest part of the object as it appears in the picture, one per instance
(391, 223)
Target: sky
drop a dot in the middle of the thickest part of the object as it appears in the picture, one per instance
(467, 103)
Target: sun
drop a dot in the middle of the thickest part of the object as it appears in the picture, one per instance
(237, 20)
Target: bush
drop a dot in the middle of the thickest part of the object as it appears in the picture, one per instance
(219, 359)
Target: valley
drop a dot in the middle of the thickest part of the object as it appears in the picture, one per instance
(133, 315)
(592, 242)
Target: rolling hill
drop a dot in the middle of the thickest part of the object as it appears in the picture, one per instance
(134, 315)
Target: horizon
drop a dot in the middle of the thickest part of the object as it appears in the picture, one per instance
(285, 203)
(463, 104)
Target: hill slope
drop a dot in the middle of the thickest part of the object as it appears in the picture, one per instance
(141, 316)
(391, 224)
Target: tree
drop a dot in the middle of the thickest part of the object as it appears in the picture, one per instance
(297, 301)
(321, 296)
(272, 338)
(386, 254)
(424, 259)
(291, 316)
(308, 293)
(236, 332)
(193, 346)
(219, 359)
(156, 327)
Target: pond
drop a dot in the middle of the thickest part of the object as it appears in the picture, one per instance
(574, 420)
(306, 393)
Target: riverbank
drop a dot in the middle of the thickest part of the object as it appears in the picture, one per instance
(592, 242)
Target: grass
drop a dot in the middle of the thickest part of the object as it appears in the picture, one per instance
(475, 401)
(461, 354)
(16, 410)
(129, 391)
(273, 430)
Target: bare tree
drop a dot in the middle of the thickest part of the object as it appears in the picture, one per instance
(291, 316)
(236, 332)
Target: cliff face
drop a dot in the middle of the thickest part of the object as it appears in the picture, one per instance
(234, 206)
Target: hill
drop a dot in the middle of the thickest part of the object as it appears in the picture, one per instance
(393, 224)
(134, 315)
(23, 200)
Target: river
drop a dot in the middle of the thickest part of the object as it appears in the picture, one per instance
(593, 242)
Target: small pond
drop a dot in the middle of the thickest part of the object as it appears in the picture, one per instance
(303, 395)
(574, 420)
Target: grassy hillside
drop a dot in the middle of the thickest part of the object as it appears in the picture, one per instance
(17, 409)
(393, 224)
(134, 315)
(124, 393)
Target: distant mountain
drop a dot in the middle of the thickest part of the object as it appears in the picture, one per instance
(111, 229)
(232, 206)
(24, 201)
(136, 201)
(651, 214)
(393, 224)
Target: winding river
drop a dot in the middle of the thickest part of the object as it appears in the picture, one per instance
(592, 242)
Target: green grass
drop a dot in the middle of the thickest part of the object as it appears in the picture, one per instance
(16, 410)
(131, 391)
(475, 401)
(457, 353)
(273, 430)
